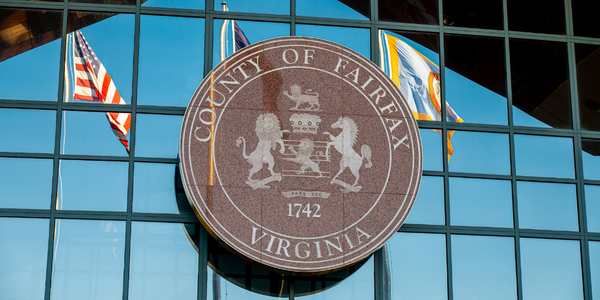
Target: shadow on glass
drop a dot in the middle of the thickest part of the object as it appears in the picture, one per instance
(588, 85)
(476, 79)
(409, 11)
(540, 84)
(473, 14)
(543, 17)
(343, 9)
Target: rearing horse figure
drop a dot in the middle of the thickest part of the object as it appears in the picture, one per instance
(343, 143)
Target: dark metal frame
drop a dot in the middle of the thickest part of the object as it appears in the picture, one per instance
(209, 14)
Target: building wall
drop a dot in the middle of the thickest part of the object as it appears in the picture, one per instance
(511, 214)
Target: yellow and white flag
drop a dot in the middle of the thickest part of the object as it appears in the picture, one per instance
(418, 79)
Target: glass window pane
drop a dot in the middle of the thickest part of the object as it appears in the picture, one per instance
(417, 264)
(429, 205)
(481, 202)
(478, 152)
(358, 10)
(154, 188)
(409, 11)
(90, 133)
(476, 78)
(483, 267)
(18, 176)
(27, 130)
(357, 39)
(231, 291)
(431, 141)
(544, 156)
(280, 7)
(551, 206)
(588, 85)
(548, 17)
(190, 4)
(110, 37)
(23, 258)
(592, 207)
(540, 83)
(125, 2)
(584, 13)
(591, 158)
(29, 54)
(171, 60)
(551, 269)
(158, 136)
(164, 261)
(92, 185)
(595, 268)
(253, 31)
(473, 13)
(88, 260)
(358, 286)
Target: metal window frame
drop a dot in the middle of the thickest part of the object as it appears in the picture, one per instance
(373, 24)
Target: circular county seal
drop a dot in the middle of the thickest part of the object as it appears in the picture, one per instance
(301, 155)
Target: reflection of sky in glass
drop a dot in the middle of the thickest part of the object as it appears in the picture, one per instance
(418, 266)
(28, 130)
(154, 188)
(544, 156)
(92, 185)
(591, 166)
(478, 152)
(89, 133)
(158, 136)
(359, 286)
(32, 75)
(474, 103)
(23, 258)
(521, 118)
(551, 269)
(592, 207)
(18, 176)
(88, 260)
(112, 41)
(280, 7)
(551, 206)
(595, 268)
(480, 202)
(171, 60)
(429, 205)
(431, 142)
(327, 9)
(164, 263)
(357, 39)
(189, 4)
(254, 31)
(483, 267)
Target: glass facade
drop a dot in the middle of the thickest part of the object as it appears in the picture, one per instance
(509, 209)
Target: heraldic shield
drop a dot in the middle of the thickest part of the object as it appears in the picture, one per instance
(305, 150)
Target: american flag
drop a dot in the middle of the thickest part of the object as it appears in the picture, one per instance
(93, 83)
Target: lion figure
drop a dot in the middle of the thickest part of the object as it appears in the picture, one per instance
(305, 150)
(309, 97)
(269, 135)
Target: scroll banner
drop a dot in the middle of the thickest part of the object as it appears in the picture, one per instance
(306, 194)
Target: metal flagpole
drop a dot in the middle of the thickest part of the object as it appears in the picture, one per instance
(223, 33)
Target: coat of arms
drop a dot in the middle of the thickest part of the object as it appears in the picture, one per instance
(305, 154)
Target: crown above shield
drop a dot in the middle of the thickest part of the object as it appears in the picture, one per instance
(305, 123)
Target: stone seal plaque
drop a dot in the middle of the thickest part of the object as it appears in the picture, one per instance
(300, 155)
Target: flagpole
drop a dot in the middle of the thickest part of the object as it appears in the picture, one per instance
(224, 32)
